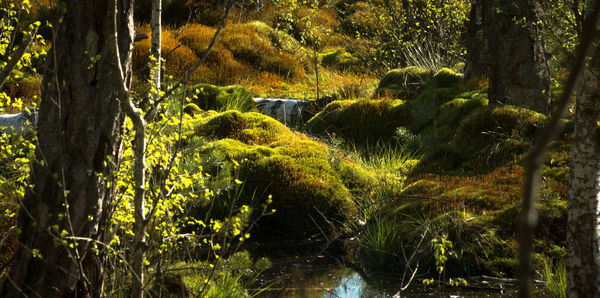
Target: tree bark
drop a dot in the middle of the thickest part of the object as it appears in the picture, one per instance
(139, 250)
(519, 72)
(475, 42)
(77, 154)
(155, 50)
(583, 225)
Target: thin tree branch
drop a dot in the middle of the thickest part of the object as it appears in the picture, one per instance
(528, 217)
(152, 113)
(16, 56)
(139, 126)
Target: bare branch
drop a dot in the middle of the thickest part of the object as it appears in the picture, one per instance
(528, 217)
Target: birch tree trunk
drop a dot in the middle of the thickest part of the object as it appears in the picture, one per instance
(139, 252)
(155, 50)
(583, 230)
(77, 154)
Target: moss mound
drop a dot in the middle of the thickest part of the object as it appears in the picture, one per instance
(425, 108)
(304, 177)
(211, 97)
(484, 231)
(192, 109)
(339, 59)
(446, 78)
(250, 128)
(502, 120)
(360, 121)
(255, 44)
(452, 112)
(487, 137)
(403, 83)
(243, 52)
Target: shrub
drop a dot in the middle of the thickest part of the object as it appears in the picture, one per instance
(28, 88)
(360, 20)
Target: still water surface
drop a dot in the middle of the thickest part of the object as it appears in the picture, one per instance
(305, 269)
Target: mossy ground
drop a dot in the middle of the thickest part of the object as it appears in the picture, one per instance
(360, 121)
(211, 97)
(467, 184)
(305, 178)
(269, 62)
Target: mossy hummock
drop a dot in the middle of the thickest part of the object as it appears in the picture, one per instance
(305, 178)
(211, 97)
(361, 121)
(403, 83)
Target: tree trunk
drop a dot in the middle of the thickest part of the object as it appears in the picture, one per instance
(77, 154)
(583, 226)
(155, 50)
(139, 251)
(519, 72)
(475, 42)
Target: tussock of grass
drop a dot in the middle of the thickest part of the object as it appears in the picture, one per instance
(210, 97)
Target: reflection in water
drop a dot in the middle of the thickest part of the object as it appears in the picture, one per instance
(352, 286)
(305, 270)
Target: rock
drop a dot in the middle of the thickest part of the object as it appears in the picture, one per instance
(20, 123)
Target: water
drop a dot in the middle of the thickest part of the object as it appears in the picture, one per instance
(307, 269)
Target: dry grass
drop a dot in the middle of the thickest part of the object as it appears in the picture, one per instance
(179, 57)
(251, 52)
(479, 194)
(28, 89)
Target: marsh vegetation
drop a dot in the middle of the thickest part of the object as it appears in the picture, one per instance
(413, 168)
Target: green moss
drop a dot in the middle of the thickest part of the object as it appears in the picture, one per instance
(192, 109)
(495, 123)
(250, 128)
(258, 45)
(459, 67)
(422, 188)
(360, 121)
(425, 108)
(452, 112)
(404, 82)
(358, 180)
(211, 97)
(487, 137)
(446, 78)
(304, 177)
(339, 59)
